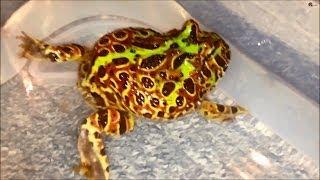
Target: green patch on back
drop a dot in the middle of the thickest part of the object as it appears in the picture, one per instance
(186, 68)
(145, 53)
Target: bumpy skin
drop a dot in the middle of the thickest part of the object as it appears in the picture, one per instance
(152, 74)
(138, 71)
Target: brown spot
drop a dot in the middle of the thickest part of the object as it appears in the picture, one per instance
(147, 82)
(154, 102)
(168, 87)
(174, 45)
(133, 68)
(147, 115)
(92, 79)
(110, 97)
(146, 43)
(206, 113)
(103, 152)
(120, 61)
(119, 48)
(102, 122)
(101, 71)
(104, 40)
(206, 71)
(103, 119)
(123, 76)
(123, 123)
(193, 33)
(163, 75)
(120, 34)
(189, 85)
(97, 135)
(103, 52)
(152, 61)
(99, 100)
(228, 54)
(171, 109)
(220, 107)
(220, 61)
(160, 114)
(179, 60)
(140, 99)
(84, 121)
(234, 109)
(179, 100)
(107, 169)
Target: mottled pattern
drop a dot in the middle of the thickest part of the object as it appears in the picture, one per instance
(152, 74)
(40, 142)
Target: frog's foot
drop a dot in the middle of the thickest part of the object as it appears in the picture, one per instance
(34, 48)
(31, 47)
(94, 162)
(219, 112)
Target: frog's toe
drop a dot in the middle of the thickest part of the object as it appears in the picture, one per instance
(30, 47)
(93, 160)
(219, 112)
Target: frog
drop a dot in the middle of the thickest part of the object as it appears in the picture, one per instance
(137, 71)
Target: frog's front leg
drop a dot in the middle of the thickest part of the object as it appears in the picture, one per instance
(219, 112)
(32, 47)
(94, 162)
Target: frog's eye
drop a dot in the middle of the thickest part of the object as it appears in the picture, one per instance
(53, 57)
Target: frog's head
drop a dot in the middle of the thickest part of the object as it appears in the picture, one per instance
(214, 51)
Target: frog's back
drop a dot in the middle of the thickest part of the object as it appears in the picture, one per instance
(152, 74)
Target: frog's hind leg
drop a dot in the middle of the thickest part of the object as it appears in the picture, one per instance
(94, 162)
(34, 48)
(219, 112)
